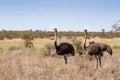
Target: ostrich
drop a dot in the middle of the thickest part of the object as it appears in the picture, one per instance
(104, 47)
(63, 48)
(96, 49)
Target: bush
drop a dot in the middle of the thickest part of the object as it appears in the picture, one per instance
(26, 35)
(1, 36)
(28, 44)
(49, 49)
(78, 45)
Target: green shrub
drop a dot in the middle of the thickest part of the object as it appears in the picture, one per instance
(78, 45)
(28, 44)
(26, 35)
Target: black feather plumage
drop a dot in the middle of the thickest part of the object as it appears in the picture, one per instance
(63, 48)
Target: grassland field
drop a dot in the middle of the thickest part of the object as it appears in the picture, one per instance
(31, 64)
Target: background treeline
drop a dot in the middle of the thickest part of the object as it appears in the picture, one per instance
(50, 34)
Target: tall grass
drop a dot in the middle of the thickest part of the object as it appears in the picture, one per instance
(40, 43)
(31, 64)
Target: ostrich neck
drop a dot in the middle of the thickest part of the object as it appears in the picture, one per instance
(56, 36)
(85, 41)
(55, 43)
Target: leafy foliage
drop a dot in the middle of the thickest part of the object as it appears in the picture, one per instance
(116, 27)
(1, 36)
(78, 45)
(26, 35)
(28, 44)
(30, 35)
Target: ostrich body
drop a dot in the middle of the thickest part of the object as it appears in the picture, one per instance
(96, 49)
(104, 47)
(63, 48)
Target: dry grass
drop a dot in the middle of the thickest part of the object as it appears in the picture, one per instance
(30, 65)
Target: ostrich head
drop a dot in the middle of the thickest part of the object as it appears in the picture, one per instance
(85, 31)
(55, 29)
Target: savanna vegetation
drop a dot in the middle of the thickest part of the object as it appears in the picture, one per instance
(49, 34)
(30, 55)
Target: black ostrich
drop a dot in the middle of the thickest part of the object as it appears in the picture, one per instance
(63, 48)
(96, 49)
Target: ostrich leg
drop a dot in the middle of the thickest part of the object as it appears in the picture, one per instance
(65, 58)
(99, 58)
(96, 61)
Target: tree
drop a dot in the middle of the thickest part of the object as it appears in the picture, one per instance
(103, 33)
(116, 27)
